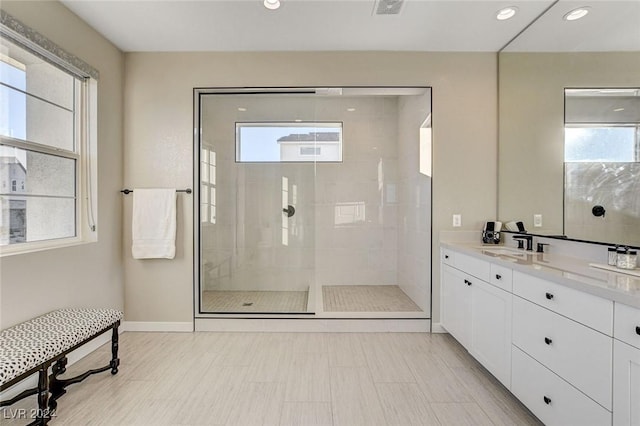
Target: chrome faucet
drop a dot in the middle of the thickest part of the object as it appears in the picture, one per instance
(522, 238)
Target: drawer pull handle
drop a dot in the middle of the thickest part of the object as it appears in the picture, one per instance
(638, 330)
(549, 296)
(498, 277)
(547, 340)
(546, 400)
(446, 256)
(467, 282)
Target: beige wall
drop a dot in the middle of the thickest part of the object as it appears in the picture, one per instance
(89, 274)
(159, 140)
(532, 125)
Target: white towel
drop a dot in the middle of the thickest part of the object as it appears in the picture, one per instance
(154, 224)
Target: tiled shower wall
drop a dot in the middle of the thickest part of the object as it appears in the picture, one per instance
(357, 200)
(414, 202)
(611, 185)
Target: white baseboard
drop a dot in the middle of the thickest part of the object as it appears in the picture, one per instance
(312, 325)
(73, 357)
(436, 327)
(157, 326)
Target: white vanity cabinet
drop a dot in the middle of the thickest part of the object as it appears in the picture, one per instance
(491, 329)
(573, 358)
(549, 325)
(477, 313)
(626, 366)
(565, 337)
(456, 304)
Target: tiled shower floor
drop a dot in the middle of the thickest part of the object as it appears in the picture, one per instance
(254, 301)
(366, 298)
(345, 298)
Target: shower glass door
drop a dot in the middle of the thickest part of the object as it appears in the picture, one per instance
(257, 192)
(314, 201)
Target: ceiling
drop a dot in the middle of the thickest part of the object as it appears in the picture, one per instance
(346, 25)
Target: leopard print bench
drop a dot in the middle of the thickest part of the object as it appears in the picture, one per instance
(35, 345)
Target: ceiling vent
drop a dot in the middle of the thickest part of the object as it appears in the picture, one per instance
(388, 7)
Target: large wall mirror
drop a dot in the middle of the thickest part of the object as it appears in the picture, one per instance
(540, 72)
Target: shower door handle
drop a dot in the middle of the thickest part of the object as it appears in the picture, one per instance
(289, 210)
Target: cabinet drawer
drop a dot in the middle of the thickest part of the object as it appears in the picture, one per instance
(587, 309)
(550, 398)
(578, 354)
(473, 266)
(626, 324)
(501, 277)
(448, 257)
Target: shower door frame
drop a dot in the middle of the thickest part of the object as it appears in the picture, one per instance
(198, 93)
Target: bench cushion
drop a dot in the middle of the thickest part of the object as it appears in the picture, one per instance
(29, 344)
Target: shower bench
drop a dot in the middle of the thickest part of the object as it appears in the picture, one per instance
(35, 345)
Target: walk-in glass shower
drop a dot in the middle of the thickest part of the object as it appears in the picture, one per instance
(313, 201)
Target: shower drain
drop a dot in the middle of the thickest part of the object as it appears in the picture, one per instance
(247, 304)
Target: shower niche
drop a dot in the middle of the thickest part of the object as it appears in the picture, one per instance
(313, 202)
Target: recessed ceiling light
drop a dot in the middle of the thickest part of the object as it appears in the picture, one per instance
(506, 13)
(576, 14)
(351, 109)
(618, 109)
(242, 109)
(272, 4)
(297, 120)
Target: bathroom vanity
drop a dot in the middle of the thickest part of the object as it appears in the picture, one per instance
(562, 336)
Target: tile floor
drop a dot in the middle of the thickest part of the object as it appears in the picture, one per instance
(254, 301)
(287, 379)
(366, 298)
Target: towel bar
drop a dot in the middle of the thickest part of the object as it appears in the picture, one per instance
(129, 191)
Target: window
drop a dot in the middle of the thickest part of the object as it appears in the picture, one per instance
(288, 142)
(310, 150)
(601, 143)
(46, 142)
(602, 125)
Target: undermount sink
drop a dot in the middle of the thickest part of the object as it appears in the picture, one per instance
(504, 251)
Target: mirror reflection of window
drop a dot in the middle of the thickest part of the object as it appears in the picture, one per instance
(349, 213)
(208, 186)
(607, 144)
(425, 147)
(602, 125)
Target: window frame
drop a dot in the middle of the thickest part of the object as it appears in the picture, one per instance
(84, 154)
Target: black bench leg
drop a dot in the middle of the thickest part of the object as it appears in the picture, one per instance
(44, 414)
(115, 361)
(56, 386)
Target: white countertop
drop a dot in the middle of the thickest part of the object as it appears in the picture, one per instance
(569, 271)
